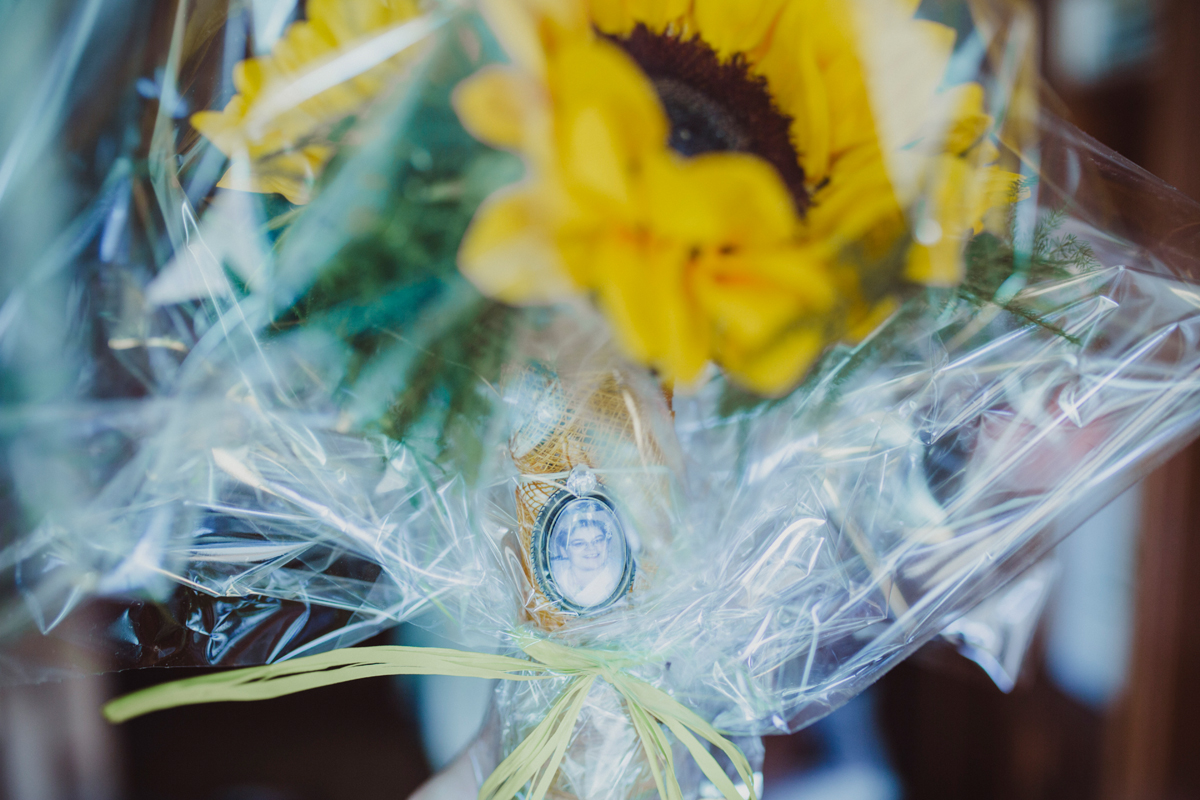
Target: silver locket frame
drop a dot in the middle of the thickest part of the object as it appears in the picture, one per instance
(540, 547)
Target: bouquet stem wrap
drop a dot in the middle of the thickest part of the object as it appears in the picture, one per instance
(535, 761)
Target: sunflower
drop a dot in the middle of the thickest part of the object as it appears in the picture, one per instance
(324, 69)
(728, 180)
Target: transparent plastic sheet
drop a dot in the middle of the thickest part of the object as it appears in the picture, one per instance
(283, 428)
(997, 633)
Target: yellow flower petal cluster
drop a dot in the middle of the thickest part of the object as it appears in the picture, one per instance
(288, 102)
(709, 257)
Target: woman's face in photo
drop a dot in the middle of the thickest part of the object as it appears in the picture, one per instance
(589, 554)
(587, 547)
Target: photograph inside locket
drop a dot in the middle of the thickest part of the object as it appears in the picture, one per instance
(587, 552)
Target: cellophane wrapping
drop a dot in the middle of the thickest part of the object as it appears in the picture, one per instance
(280, 428)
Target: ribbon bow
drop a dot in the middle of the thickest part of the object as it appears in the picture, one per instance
(536, 759)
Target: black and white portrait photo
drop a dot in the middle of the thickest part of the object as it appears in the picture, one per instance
(587, 552)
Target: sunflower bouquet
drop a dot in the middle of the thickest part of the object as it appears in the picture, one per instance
(691, 362)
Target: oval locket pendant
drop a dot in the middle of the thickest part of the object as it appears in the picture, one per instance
(581, 556)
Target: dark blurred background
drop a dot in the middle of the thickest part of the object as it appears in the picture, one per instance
(1106, 705)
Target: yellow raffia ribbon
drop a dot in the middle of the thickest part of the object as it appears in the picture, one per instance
(536, 759)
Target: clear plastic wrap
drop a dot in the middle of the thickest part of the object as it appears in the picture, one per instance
(290, 426)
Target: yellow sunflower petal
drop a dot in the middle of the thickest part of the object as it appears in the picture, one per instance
(748, 306)
(966, 122)
(949, 210)
(748, 316)
(290, 174)
(274, 110)
(507, 253)
(596, 74)
(635, 314)
(799, 89)
(904, 62)
(998, 188)
(248, 76)
(608, 120)
(858, 198)
(593, 157)
(496, 105)
(611, 16)
(687, 342)
(920, 267)
(643, 295)
(657, 15)
(619, 17)
(533, 30)
(515, 25)
(780, 366)
(962, 195)
(331, 20)
(347, 19)
(862, 326)
(800, 272)
(221, 127)
(735, 27)
(851, 122)
(720, 200)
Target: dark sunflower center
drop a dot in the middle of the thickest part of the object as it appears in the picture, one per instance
(715, 106)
